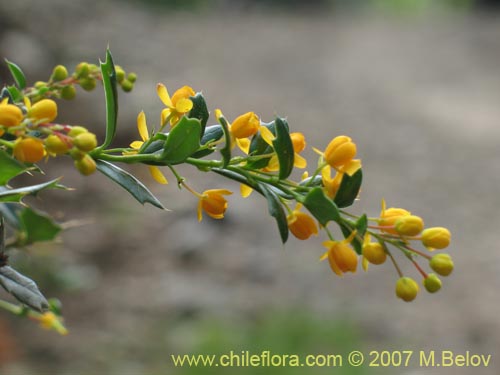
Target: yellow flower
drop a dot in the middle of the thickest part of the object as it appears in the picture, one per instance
(242, 127)
(299, 144)
(436, 238)
(301, 224)
(245, 125)
(49, 320)
(142, 127)
(28, 150)
(43, 111)
(389, 216)
(177, 106)
(10, 115)
(340, 151)
(213, 203)
(341, 256)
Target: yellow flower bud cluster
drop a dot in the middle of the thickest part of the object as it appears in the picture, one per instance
(400, 228)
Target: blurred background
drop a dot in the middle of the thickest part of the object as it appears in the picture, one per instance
(416, 84)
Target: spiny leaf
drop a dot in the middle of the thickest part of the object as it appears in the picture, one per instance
(17, 74)
(128, 182)
(111, 94)
(22, 288)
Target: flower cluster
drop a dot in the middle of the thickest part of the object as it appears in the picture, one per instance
(28, 125)
(262, 157)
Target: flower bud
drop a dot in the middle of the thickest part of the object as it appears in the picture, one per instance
(120, 73)
(301, 225)
(88, 84)
(10, 115)
(406, 289)
(388, 218)
(245, 125)
(127, 85)
(432, 283)
(82, 70)
(59, 73)
(132, 77)
(40, 84)
(85, 141)
(436, 238)
(340, 151)
(409, 225)
(374, 253)
(55, 145)
(68, 92)
(44, 110)
(86, 165)
(28, 150)
(76, 130)
(76, 154)
(442, 264)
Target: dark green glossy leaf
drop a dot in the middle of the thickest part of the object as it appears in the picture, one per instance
(259, 147)
(276, 210)
(111, 94)
(128, 182)
(347, 226)
(284, 148)
(226, 150)
(321, 207)
(5, 93)
(22, 288)
(15, 195)
(199, 110)
(37, 226)
(15, 94)
(349, 189)
(212, 133)
(17, 74)
(183, 141)
(9, 167)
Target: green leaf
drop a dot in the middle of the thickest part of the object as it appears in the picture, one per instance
(17, 74)
(212, 133)
(5, 93)
(199, 110)
(128, 182)
(183, 141)
(9, 167)
(276, 210)
(111, 94)
(22, 288)
(16, 195)
(349, 189)
(321, 207)
(37, 226)
(15, 94)
(226, 150)
(347, 226)
(259, 147)
(284, 148)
